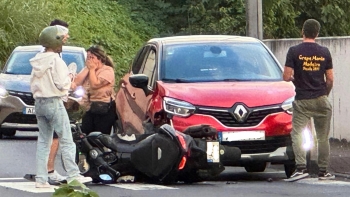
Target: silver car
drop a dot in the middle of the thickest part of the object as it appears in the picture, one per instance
(16, 100)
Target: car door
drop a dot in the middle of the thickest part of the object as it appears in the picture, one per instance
(132, 102)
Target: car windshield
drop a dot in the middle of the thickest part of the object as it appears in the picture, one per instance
(19, 61)
(183, 63)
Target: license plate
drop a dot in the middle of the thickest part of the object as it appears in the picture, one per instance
(213, 154)
(242, 136)
(28, 110)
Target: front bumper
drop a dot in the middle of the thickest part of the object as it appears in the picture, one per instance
(278, 156)
(11, 114)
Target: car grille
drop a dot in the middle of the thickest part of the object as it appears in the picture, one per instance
(27, 98)
(226, 117)
(268, 145)
(18, 117)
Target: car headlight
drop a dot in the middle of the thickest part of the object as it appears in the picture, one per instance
(3, 92)
(287, 105)
(177, 107)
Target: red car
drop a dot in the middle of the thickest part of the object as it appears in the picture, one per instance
(232, 83)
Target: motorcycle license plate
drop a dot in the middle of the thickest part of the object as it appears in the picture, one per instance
(213, 152)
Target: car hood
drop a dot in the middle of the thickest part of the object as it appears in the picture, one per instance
(226, 94)
(19, 83)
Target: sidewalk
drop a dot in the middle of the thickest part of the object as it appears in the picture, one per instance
(340, 157)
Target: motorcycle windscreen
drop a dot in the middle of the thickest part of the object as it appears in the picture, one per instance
(156, 156)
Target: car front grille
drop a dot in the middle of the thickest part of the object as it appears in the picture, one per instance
(18, 117)
(268, 145)
(27, 98)
(226, 117)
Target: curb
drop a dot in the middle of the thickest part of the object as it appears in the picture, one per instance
(342, 175)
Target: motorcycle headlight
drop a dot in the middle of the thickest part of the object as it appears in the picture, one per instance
(3, 92)
(177, 107)
(287, 105)
(79, 92)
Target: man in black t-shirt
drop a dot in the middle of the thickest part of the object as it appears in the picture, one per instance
(309, 66)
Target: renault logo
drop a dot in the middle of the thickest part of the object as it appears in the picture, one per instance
(240, 113)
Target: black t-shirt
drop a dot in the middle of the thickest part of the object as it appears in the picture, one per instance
(310, 62)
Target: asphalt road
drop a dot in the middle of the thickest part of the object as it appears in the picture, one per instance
(18, 158)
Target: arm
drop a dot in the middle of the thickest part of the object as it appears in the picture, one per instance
(96, 82)
(288, 74)
(60, 75)
(79, 79)
(329, 80)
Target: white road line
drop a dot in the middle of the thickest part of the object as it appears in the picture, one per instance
(137, 186)
(315, 181)
(6, 179)
(27, 187)
(30, 186)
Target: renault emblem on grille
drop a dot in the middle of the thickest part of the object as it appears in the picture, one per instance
(240, 113)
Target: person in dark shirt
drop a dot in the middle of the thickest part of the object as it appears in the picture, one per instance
(309, 66)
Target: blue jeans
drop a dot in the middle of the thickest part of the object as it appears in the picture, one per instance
(52, 116)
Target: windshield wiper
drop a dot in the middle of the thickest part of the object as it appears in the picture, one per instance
(237, 79)
(178, 80)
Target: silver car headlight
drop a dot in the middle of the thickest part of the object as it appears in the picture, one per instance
(287, 105)
(177, 107)
(3, 92)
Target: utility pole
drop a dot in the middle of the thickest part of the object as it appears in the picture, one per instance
(254, 18)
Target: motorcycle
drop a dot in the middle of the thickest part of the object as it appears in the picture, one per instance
(165, 156)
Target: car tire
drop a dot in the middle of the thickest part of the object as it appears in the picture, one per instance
(256, 167)
(8, 132)
(118, 126)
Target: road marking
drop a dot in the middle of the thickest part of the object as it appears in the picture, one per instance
(315, 181)
(30, 186)
(6, 179)
(137, 186)
(27, 187)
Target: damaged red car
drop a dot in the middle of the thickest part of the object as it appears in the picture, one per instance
(231, 83)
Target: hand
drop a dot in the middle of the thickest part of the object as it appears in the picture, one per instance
(91, 64)
(73, 86)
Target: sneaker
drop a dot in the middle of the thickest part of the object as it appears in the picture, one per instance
(55, 177)
(42, 185)
(80, 179)
(297, 175)
(325, 176)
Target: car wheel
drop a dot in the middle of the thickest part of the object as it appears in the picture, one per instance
(8, 132)
(289, 168)
(118, 127)
(256, 167)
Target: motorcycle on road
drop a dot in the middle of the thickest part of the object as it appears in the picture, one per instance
(165, 156)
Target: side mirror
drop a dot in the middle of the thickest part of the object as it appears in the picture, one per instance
(140, 81)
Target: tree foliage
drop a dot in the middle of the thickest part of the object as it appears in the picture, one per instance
(122, 26)
(90, 22)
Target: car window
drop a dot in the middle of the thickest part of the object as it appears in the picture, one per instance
(149, 66)
(139, 59)
(219, 62)
(19, 61)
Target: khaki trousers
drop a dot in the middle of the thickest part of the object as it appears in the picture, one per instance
(320, 110)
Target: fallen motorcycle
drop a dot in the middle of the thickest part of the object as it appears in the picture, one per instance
(164, 157)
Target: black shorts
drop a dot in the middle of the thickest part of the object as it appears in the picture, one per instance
(55, 136)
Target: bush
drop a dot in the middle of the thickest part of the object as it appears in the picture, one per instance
(103, 22)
